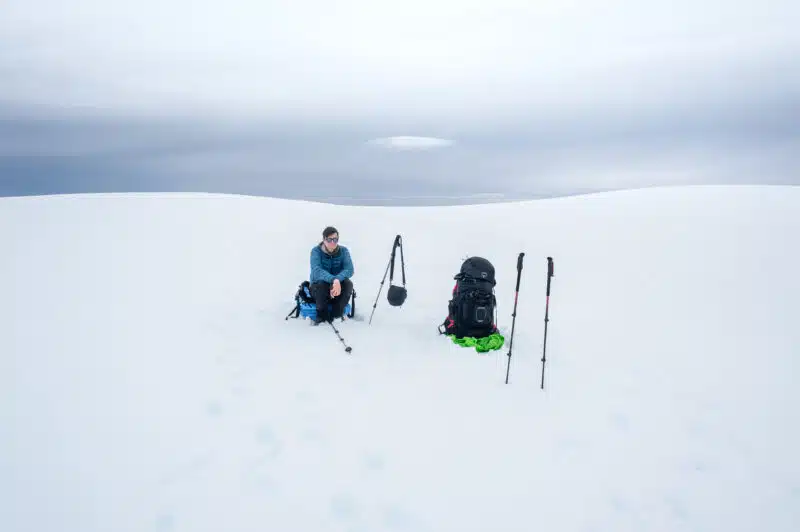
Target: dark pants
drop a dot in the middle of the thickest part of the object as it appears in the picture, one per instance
(321, 292)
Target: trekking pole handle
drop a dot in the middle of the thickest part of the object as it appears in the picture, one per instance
(549, 273)
(519, 268)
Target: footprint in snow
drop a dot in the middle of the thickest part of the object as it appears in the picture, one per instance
(213, 409)
(303, 397)
(312, 435)
(165, 522)
(240, 391)
(188, 469)
(257, 475)
(267, 438)
(677, 507)
(397, 518)
(344, 507)
(621, 505)
(619, 421)
(697, 466)
(373, 462)
(570, 444)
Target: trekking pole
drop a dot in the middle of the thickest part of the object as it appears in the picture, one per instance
(347, 348)
(514, 313)
(546, 313)
(375, 305)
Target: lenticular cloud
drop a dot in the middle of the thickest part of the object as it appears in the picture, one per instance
(411, 143)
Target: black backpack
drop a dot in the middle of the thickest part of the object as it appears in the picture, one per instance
(472, 310)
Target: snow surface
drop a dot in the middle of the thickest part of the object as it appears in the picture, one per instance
(150, 382)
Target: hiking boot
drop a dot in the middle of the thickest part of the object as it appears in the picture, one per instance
(322, 319)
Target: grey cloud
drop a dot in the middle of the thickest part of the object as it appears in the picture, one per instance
(517, 160)
(539, 99)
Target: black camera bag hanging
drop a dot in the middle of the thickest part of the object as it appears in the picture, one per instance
(396, 295)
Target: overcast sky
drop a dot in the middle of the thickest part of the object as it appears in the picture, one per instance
(531, 97)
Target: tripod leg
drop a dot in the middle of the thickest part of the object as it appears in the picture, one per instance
(379, 290)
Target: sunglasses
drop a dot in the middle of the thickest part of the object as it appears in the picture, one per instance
(332, 240)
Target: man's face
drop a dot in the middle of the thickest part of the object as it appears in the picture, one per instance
(331, 241)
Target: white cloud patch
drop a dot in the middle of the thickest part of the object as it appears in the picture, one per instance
(411, 143)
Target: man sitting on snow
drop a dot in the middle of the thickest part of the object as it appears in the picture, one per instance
(331, 270)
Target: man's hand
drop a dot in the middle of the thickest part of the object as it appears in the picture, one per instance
(336, 289)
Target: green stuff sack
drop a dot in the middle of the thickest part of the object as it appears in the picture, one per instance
(492, 342)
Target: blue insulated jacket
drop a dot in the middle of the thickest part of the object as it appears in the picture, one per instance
(325, 267)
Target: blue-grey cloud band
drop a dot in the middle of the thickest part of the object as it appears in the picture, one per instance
(525, 98)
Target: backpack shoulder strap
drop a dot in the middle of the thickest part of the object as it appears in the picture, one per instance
(301, 293)
(398, 243)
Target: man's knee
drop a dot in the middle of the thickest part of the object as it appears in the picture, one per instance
(347, 288)
(320, 290)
